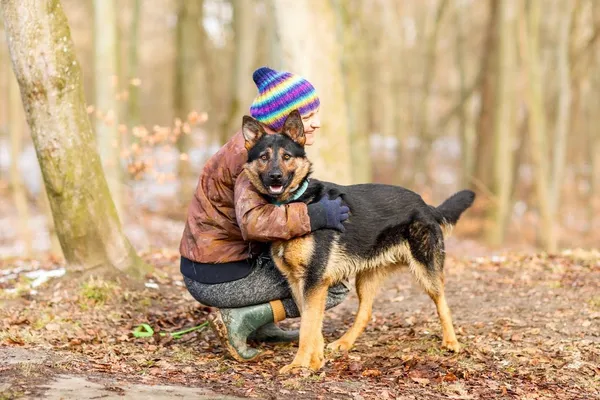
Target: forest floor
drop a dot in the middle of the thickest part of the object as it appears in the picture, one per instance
(529, 325)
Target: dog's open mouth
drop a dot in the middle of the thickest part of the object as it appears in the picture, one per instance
(276, 189)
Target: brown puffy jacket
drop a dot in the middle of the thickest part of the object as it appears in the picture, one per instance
(228, 217)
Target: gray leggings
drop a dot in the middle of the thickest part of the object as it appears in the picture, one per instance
(265, 283)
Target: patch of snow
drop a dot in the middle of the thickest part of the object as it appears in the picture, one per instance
(40, 276)
(151, 285)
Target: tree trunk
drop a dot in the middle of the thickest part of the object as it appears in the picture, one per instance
(351, 30)
(425, 134)
(106, 74)
(44, 205)
(3, 65)
(16, 126)
(49, 77)
(275, 53)
(537, 121)
(245, 44)
(504, 122)
(133, 105)
(190, 84)
(387, 68)
(316, 57)
(562, 121)
(593, 134)
(465, 121)
(593, 205)
(483, 153)
(594, 156)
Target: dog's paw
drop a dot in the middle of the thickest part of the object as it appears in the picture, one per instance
(339, 345)
(452, 346)
(292, 368)
(317, 361)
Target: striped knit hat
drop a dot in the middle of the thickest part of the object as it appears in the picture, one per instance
(280, 93)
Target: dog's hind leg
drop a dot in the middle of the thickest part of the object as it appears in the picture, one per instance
(432, 281)
(427, 265)
(310, 350)
(367, 285)
(448, 336)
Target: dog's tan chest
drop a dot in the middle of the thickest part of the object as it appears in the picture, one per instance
(293, 256)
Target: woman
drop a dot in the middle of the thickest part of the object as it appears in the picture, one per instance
(224, 248)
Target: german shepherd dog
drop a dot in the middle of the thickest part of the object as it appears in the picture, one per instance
(389, 227)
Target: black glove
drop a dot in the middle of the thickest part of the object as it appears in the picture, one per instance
(328, 214)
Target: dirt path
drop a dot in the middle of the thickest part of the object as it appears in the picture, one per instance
(92, 386)
(530, 326)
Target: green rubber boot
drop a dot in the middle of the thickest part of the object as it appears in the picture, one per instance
(233, 326)
(271, 333)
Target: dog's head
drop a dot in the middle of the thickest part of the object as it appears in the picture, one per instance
(277, 163)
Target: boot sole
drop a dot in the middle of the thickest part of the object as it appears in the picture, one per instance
(220, 330)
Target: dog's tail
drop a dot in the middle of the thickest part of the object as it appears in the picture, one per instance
(448, 213)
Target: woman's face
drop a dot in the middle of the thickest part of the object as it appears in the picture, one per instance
(311, 122)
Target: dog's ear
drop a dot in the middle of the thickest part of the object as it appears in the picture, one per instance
(294, 128)
(252, 131)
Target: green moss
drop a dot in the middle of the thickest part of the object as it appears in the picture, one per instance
(594, 302)
(240, 382)
(183, 355)
(59, 84)
(11, 394)
(97, 290)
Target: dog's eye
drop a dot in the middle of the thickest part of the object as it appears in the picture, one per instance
(264, 157)
(286, 157)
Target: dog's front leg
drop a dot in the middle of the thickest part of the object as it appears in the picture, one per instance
(367, 284)
(310, 350)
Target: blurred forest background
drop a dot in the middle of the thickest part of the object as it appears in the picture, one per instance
(501, 96)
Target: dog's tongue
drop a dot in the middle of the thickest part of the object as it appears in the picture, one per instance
(276, 189)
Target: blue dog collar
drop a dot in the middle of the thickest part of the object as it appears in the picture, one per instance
(299, 192)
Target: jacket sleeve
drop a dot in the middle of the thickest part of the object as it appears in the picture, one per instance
(264, 222)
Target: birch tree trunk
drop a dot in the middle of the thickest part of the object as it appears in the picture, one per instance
(275, 52)
(106, 70)
(388, 66)
(465, 120)
(351, 29)
(16, 126)
(483, 153)
(133, 105)
(504, 121)
(245, 44)
(537, 120)
(316, 56)
(49, 77)
(562, 121)
(190, 84)
(593, 135)
(430, 64)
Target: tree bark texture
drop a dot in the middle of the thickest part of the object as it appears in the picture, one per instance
(49, 78)
(16, 127)
(190, 91)
(537, 121)
(106, 72)
(484, 142)
(316, 56)
(244, 63)
(504, 122)
(351, 25)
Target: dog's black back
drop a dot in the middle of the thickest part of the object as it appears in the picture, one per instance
(382, 217)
